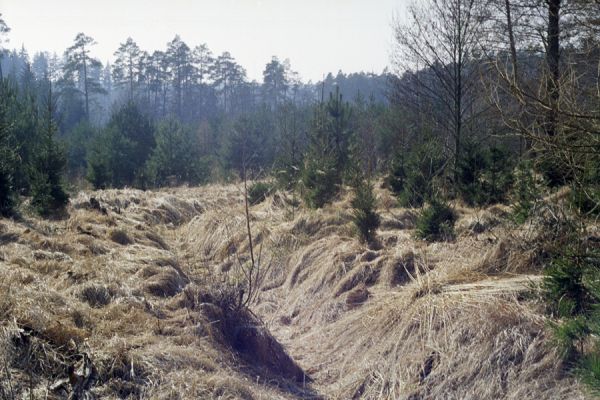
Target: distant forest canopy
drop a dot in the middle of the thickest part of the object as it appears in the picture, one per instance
(189, 83)
(180, 114)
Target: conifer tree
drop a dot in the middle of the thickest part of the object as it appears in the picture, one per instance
(327, 156)
(80, 63)
(7, 154)
(48, 166)
(320, 178)
(364, 210)
(126, 69)
(118, 155)
(176, 155)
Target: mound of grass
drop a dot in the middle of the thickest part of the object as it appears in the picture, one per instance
(96, 295)
(121, 237)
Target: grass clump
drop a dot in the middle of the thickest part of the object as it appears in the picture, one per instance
(121, 237)
(436, 222)
(96, 295)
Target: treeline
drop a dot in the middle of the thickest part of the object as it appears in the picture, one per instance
(188, 83)
(178, 116)
(463, 117)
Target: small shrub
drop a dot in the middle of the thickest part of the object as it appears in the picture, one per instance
(418, 175)
(586, 199)
(470, 167)
(259, 191)
(525, 192)
(176, 158)
(7, 189)
(589, 371)
(320, 181)
(436, 222)
(572, 292)
(585, 194)
(555, 172)
(8, 154)
(364, 214)
(484, 175)
(7, 193)
(570, 283)
(396, 175)
(497, 179)
(48, 195)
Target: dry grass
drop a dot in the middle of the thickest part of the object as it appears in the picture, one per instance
(109, 284)
(121, 237)
(144, 284)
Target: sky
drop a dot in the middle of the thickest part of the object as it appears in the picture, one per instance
(317, 36)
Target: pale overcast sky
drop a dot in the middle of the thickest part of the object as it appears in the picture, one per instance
(318, 36)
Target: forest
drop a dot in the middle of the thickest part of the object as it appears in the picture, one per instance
(179, 116)
(486, 103)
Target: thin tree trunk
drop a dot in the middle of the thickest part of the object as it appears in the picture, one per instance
(130, 79)
(515, 65)
(85, 86)
(553, 59)
(458, 93)
(511, 39)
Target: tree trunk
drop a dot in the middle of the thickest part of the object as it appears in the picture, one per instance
(552, 59)
(511, 40)
(458, 88)
(85, 86)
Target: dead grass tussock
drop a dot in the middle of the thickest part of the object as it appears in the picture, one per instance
(229, 388)
(166, 283)
(477, 223)
(156, 240)
(405, 338)
(399, 220)
(399, 269)
(366, 274)
(494, 349)
(121, 237)
(357, 296)
(96, 295)
(91, 246)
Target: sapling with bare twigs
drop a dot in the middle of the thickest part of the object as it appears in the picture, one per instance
(252, 271)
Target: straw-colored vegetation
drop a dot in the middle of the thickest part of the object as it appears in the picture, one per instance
(138, 298)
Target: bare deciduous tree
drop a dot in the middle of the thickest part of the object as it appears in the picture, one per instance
(443, 36)
(558, 98)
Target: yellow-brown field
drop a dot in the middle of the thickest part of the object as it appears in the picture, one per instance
(142, 290)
